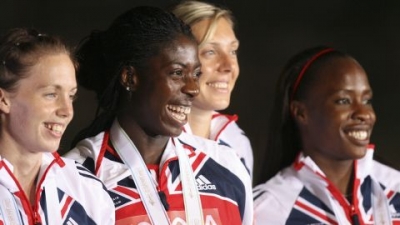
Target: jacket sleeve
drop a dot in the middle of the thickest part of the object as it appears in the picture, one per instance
(267, 208)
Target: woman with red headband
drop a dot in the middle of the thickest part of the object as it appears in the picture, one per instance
(319, 153)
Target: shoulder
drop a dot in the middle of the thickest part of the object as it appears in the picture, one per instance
(229, 122)
(219, 158)
(87, 151)
(385, 175)
(79, 175)
(87, 190)
(278, 193)
(220, 153)
(88, 147)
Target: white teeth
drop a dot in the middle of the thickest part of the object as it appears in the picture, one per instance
(54, 127)
(179, 112)
(178, 116)
(218, 85)
(179, 109)
(359, 135)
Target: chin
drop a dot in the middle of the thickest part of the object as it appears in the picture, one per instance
(221, 105)
(176, 133)
(52, 148)
(360, 152)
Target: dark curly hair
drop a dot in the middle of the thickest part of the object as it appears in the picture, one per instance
(131, 40)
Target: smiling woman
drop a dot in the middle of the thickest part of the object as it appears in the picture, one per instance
(319, 146)
(145, 71)
(37, 88)
(213, 28)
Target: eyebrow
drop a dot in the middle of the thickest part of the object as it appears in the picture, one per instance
(234, 42)
(56, 86)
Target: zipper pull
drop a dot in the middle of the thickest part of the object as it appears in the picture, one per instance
(354, 216)
(37, 218)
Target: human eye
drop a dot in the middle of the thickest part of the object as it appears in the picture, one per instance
(50, 95)
(73, 97)
(368, 101)
(235, 51)
(208, 52)
(343, 101)
(197, 74)
(176, 74)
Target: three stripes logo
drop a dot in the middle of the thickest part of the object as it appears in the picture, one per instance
(203, 184)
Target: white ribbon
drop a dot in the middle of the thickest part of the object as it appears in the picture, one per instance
(146, 185)
(191, 196)
(140, 174)
(8, 207)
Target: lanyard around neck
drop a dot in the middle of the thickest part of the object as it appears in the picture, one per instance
(140, 174)
(191, 196)
(146, 185)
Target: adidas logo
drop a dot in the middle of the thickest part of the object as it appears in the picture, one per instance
(203, 184)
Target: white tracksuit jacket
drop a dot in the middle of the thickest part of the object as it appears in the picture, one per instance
(301, 194)
(83, 199)
(224, 184)
(225, 131)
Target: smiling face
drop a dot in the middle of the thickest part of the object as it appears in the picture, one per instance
(36, 115)
(338, 117)
(165, 90)
(219, 61)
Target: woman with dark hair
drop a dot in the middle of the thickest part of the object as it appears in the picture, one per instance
(144, 69)
(319, 148)
(37, 88)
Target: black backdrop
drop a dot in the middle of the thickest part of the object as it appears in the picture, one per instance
(269, 32)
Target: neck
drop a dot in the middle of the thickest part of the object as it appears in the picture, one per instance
(150, 147)
(340, 173)
(26, 166)
(200, 122)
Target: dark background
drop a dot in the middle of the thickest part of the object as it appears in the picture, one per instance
(269, 32)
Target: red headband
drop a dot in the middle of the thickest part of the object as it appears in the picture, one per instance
(305, 67)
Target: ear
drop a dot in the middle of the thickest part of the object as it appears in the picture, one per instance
(5, 103)
(299, 112)
(129, 78)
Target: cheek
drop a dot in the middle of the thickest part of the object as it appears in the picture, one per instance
(21, 118)
(237, 72)
(326, 121)
(373, 117)
(208, 66)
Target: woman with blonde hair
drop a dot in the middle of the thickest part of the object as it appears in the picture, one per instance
(213, 28)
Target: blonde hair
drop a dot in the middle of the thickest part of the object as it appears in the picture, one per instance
(191, 12)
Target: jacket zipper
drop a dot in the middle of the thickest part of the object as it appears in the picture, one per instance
(36, 217)
(354, 216)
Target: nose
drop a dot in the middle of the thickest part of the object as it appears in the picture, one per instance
(364, 113)
(191, 86)
(65, 108)
(227, 62)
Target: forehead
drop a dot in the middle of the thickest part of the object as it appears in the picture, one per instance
(50, 69)
(182, 49)
(338, 72)
(222, 27)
